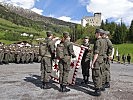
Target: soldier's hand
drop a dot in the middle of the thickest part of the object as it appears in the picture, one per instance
(92, 66)
(110, 57)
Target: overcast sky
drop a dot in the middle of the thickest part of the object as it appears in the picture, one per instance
(74, 10)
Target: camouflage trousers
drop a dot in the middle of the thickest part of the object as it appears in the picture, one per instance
(46, 68)
(64, 68)
(1, 57)
(107, 72)
(97, 75)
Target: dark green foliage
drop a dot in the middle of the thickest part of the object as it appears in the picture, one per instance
(12, 36)
(102, 25)
(117, 36)
(130, 34)
(118, 32)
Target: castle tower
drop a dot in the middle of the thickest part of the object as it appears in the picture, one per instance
(92, 20)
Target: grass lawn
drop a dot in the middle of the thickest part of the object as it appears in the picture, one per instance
(124, 49)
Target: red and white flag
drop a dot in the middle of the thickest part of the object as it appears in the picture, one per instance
(75, 64)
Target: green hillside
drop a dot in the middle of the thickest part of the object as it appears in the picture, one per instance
(11, 30)
(23, 18)
(13, 23)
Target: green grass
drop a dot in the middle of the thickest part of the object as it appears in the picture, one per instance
(7, 42)
(7, 27)
(125, 49)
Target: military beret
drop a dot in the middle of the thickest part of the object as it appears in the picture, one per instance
(99, 31)
(86, 37)
(65, 34)
(49, 33)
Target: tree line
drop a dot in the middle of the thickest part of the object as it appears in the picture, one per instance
(119, 33)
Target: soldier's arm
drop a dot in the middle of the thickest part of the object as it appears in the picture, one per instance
(94, 58)
(52, 46)
(71, 51)
(96, 53)
(110, 49)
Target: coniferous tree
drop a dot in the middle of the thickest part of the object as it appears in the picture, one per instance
(130, 35)
(123, 30)
(102, 25)
(117, 35)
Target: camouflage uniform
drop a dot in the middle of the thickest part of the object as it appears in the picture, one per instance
(6, 55)
(23, 56)
(31, 56)
(99, 48)
(85, 62)
(108, 51)
(64, 63)
(1, 55)
(46, 61)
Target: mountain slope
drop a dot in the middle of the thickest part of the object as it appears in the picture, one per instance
(34, 16)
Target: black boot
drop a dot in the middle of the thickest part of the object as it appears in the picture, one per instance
(45, 85)
(63, 88)
(1, 63)
(97, 92)
(107, 85)
(83, 82)
(103, 88)
(86, 80)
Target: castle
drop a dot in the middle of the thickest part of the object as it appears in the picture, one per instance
(92, 20)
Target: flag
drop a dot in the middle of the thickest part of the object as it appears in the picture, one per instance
(75, 65)
(117, 52)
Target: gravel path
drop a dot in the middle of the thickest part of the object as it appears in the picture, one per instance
(22, 82)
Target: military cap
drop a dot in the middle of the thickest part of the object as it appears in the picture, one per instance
(49, 33)
(86, 37)
(107, 32)
(99, 31)
(65, 34)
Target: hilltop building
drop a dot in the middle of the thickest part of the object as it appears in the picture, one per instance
(92, 20)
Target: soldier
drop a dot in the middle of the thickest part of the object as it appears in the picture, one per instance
(85, 63)
(12, 54)
(119, 58)
(46, 62)
(23, 56)
(128, 58)
(109, 52)
(124, 58)
(31, 55)
(6, 54)
(1, 54)
(97, 63)
(64, 54)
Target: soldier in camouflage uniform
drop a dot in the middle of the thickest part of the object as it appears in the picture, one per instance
(64, 54)
(17, 55)
(31, 55)
(6, 54)
(46, 61)
(27, 55)
(109, 51)
(1, 54)
(12, 54)
(23, 56)
(98, 63)
(85, 62)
